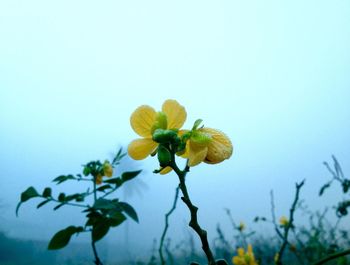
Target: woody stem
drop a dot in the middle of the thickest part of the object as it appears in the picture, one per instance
(193, 210)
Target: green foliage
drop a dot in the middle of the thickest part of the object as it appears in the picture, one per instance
(63, 178)
(100, 229)
(61, 238)
(126, 176)
(164, 156)
(26, 195)
(119, 181)
(129, 210)
(103, 214)
(338, 176)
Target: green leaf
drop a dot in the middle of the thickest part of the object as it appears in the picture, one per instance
(26, 195)
(77, 196)
(93, 218)
(196, 124)
(126, 176)
(61, 197)
(47, 192)
(324, 187)
(86, 171)
(117, 181)
(42, 203)
(104, 204)
(100, 229)
(63, 178)
(59, 206)
(104, 187)
(61, 238)
(129, 210)
(116, 218)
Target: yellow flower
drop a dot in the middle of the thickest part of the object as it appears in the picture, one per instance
(107, 169)
(241, 226)
(284, 221)
(145, 120)
(276, 258)
(98, 179)
(244, 258)
(207, 145)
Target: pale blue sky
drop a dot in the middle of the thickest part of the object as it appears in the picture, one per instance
(273, 75)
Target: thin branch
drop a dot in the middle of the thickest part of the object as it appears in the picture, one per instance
(97, 259)
(160, 250)
(333, 256)
(68, 203)
(273, 214)
(193, 210)
(290, 223)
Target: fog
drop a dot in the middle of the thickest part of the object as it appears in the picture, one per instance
(274, 76)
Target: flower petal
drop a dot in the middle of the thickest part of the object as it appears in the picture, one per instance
(141, 148)
(142, 120)
(196, 154)
(219, 148)
(165, 170)
(175, 112)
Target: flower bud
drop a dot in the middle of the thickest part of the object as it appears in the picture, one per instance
(164, 136)
(161, 121)
(164, 156)
(107, 169)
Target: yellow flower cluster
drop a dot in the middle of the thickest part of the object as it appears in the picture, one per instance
(202, 145)
(284, 221)
(107, 170)
(244, 258)
(241, 226)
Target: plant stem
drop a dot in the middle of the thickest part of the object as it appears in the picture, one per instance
(290, 223)
(193, 210)
(160, 250)
(69, 203)
(97, 259)
(333, 256)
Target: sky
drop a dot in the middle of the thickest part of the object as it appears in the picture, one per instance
(273, 75)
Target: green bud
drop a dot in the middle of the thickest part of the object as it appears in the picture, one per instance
(86, 171)
(61, 197)
(161, 121)
(200, 138)
(164, 156)
(47, 192)
(164, 136)
(181, 148)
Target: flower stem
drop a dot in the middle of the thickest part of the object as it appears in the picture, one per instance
(289, 225)
(160, 250)
(193, 210)
(97, 259)
(333, 256)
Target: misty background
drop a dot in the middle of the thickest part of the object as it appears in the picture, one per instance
(273, 75)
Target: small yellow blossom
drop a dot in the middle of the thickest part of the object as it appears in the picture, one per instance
(284, 221)
(207, 145)
(107, 169)
(98, 179)
(241, 226)
(244, 258)
(276, 258)
(145, 120)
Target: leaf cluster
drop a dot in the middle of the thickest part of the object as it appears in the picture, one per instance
(102, 215)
